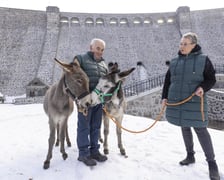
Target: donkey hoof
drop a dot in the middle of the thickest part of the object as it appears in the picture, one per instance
(64, 156)
(56, 144)
(46, 164)
(123, 152)
(69, 144)
(106, 151)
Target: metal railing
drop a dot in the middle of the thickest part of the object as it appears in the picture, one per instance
(219, 68)
(141, 86)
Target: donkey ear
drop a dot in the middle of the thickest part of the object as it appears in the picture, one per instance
(65, 66)
(124, 74)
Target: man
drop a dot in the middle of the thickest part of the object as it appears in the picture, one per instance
(191, 72)
(88, 127)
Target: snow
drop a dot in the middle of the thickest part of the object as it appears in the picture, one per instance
(152, 155)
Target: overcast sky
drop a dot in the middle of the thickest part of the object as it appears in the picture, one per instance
(113, 6)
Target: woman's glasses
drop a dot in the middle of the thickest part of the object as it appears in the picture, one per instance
(185, 44)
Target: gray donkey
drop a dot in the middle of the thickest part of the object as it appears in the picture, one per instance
(109, 91)
(58, 103)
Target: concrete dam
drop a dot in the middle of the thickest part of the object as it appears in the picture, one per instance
(30, 40)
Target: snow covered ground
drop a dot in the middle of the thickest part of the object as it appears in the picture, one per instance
(153, 155)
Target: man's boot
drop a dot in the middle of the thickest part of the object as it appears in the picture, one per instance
(188, 160)
(213, 170)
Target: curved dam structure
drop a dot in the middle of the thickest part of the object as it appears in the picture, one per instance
(30, 40)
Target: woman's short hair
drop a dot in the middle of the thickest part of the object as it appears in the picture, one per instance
(192, 36)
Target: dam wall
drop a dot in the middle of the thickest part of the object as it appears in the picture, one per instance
(30, 40)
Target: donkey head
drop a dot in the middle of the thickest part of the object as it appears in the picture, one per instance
(109, 84)
(76, 85)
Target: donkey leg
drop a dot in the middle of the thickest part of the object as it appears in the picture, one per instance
(62, 129)
(51, 141)
(67, 136)
(106, 132)
(57, 140)
(119, 139)
(100, 135)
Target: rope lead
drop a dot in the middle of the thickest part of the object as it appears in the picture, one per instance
(159, 116)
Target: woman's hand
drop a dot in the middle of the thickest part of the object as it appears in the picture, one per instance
(164, 101)
(199, 91)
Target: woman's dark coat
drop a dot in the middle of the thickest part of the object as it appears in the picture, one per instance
(185, 74)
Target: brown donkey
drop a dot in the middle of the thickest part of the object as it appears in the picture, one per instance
(58, 103)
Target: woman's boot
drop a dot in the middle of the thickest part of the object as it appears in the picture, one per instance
(188, 160)
(213, 170)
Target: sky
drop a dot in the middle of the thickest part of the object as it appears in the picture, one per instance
(152, 155)
(113, 6)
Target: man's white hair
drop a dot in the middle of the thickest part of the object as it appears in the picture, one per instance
(97, 40)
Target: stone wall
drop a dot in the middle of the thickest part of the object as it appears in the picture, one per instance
(29, 100)
(22, 33)
(30, 40)
(215, 102)
(148, 104)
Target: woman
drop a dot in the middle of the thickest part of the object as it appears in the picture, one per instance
(191, 72)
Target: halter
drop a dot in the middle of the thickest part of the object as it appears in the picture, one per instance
(102, 95)
(70, 94)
